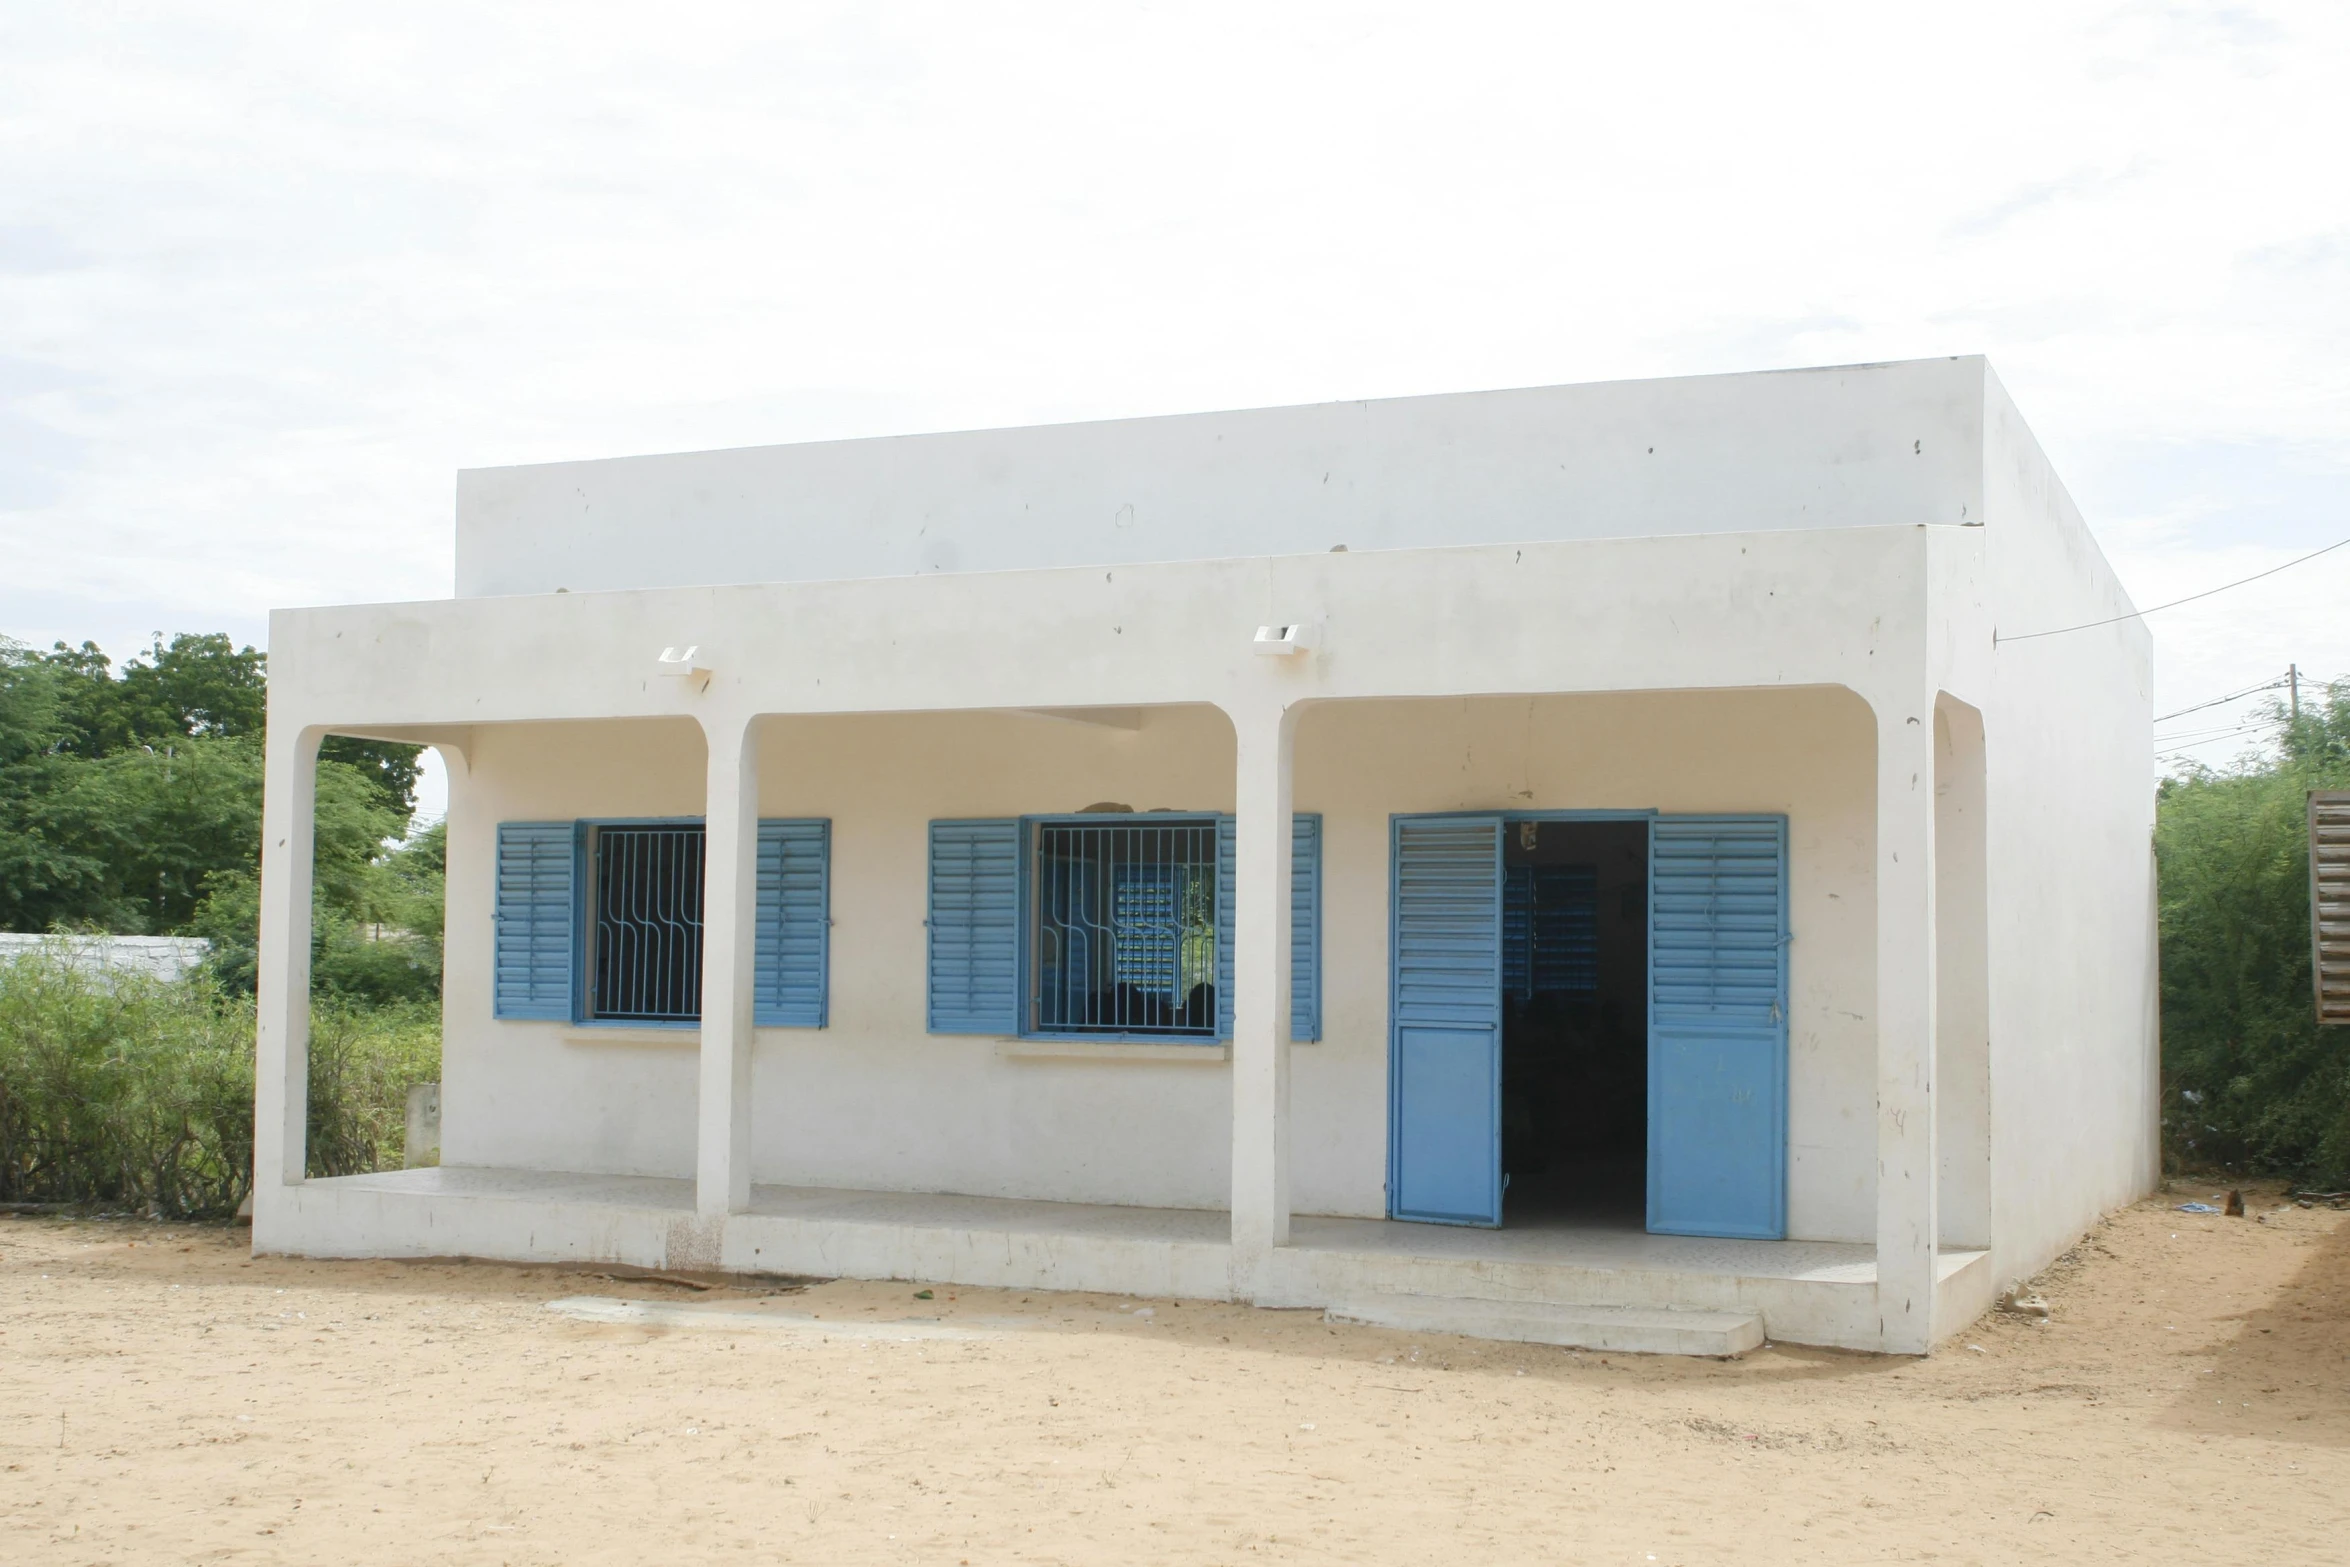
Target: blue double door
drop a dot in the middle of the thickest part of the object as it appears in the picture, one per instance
(1716, 1016)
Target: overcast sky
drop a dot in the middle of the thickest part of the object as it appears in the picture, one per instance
(270, 274)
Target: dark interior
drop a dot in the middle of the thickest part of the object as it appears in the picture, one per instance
(1574, 1086)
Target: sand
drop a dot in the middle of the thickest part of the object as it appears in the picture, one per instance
(165, 1397)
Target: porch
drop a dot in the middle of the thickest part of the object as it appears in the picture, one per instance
(779, 1107)
(1593, 1282)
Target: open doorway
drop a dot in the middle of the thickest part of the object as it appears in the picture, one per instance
(1574, 1086)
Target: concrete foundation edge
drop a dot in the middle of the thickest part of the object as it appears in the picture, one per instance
(321, 1220)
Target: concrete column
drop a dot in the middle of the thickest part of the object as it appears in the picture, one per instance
(1962, 977)
(1260, 1001)
(281, 1080)
(1907, 1203)
(730, 891)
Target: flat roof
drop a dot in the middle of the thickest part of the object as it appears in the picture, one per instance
(1847, 446)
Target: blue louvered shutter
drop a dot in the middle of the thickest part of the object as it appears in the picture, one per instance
(1517, 932)
(1305, 925)
(1227, 895)
(1717, 1057)
(1565, 926)
(974, 966)
(1444, 1009)
(533, 921)
(794, 920)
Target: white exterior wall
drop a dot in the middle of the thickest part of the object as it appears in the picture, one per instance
(1847, 446)
(534, 1095)
(874, 1101)
(2075, 1032)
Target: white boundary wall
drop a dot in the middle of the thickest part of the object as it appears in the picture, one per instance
(158, 957)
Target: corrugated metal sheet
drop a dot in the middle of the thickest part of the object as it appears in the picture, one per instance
(536, 909)
(2329, 902)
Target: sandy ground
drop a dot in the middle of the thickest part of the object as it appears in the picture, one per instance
(164, 1397)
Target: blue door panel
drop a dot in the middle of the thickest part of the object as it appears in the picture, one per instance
(1446, 1082)
(1717, 1162)
(1444, 1054)
(1717, 1043)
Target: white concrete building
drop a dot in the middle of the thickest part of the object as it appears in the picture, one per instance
(1576, 863)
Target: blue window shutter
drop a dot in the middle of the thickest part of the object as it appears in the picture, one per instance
(1565, 925)
(1517, 932)
(1227, 894)
(1718, 892)
(1305, 926)
(974, 969)
(533, 921)
(794, 924)
(1717, 1026)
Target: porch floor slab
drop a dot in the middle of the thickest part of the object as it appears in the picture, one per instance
(1805, 1291)
(1594, 1246)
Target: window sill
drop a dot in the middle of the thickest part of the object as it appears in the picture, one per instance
(621, 1034)
(1203, 1053)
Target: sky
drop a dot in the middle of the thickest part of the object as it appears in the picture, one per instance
(270, 274)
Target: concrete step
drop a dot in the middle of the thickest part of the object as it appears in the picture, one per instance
(1640, 1330)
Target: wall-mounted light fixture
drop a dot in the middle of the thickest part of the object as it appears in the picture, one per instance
(1286, 641)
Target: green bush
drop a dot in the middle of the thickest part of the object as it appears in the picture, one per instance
(2250, 1081)
(363, 1061)
(126, 1092)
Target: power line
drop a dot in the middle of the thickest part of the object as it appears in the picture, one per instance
(2140, 614)
(2186, 754)
(2233, 696)
(2200, 736)
(2182, 745)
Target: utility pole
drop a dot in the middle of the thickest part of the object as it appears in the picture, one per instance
(2293, 678)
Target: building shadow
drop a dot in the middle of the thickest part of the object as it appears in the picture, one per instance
(2285, 1375)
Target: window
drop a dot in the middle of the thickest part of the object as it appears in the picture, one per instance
(601, 922)
(645, 958)
(1550, 931)
(1116, 926)
(1122, 927)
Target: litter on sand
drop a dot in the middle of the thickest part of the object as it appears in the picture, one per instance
(2197, 1207)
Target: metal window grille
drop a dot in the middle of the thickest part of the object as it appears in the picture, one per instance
(1123, 927)
(648, 924)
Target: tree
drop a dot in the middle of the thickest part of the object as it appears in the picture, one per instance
(2250, 1080)
(129, 802)
(198, 686)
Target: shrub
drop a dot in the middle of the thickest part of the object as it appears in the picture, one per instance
(123, 1091)
(2250, 1081)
